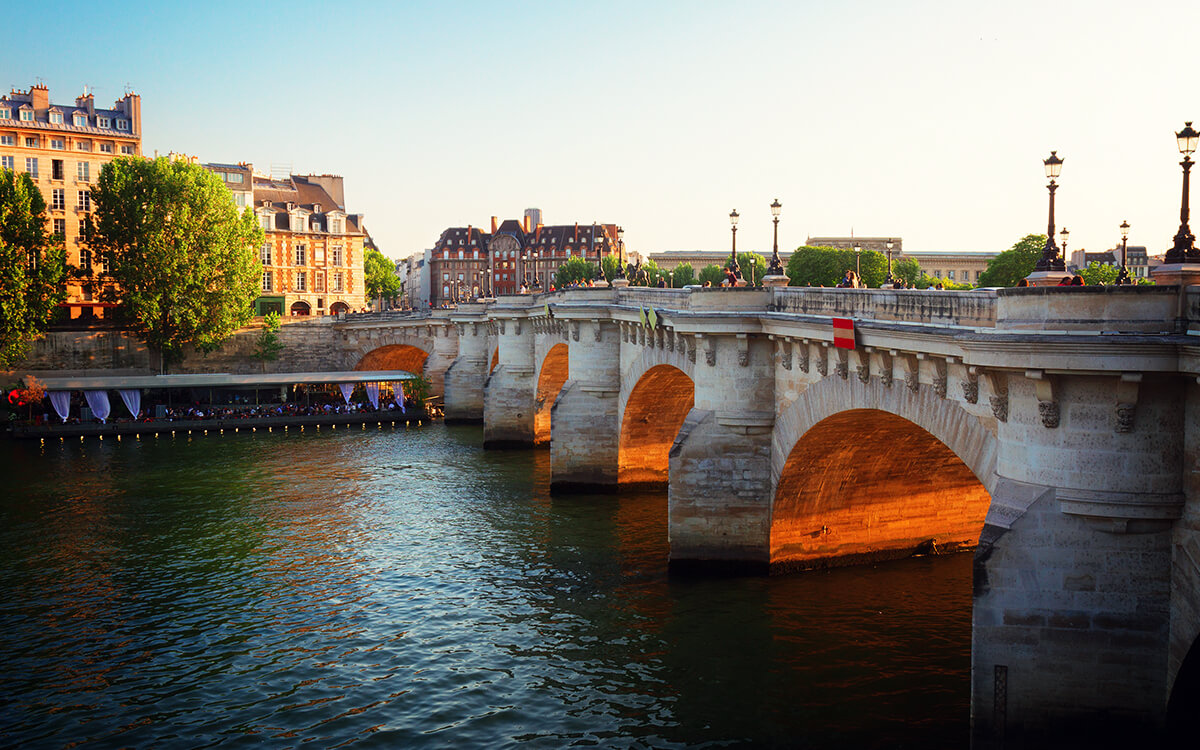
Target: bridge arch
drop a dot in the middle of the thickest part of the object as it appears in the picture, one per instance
(881, 474)
(658, 403)
(394, 357)
(553, 373)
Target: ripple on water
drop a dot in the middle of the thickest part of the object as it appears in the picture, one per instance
(407, 589)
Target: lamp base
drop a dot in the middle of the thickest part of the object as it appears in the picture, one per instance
(1181, 274)
(619, 282)
(771, 280)
(1046, 278)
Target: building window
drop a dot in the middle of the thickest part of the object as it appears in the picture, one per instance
(335, 226)
(31, 166)
(6, 162)
(265, 220)
(266, 281)
(300, 255)
(335, 255)
(80, 120)
(264, 254)
(31, 142)
(128, 150)
(85, 258)
(978, 274)
(58, 144)
(58, 199)
(5, 114)
(83, 145)
(27, 115)
(301, 281)
(103, 122)
(298, 223)
(937, 274)
(56, 118)
(122, 124)
(83, 171)
(106, 148)
(950, 275)
(57, 171)
(337, 281)
(85, 201)
(319, 281)
(7, 140)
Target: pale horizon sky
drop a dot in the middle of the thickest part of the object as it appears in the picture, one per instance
(926, 121)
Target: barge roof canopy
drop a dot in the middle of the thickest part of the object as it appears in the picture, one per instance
(220, 380)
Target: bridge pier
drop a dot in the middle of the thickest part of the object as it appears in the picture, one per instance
(720, 490)
(509, 401)
(466, 376)
(584, 426)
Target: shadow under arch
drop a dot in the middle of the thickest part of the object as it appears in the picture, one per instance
(865, 484)
(654, 412)
(554, 372)
(1183, 719)
(394, 357)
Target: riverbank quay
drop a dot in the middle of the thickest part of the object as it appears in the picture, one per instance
(363, 420)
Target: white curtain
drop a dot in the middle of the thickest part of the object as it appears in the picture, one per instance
(346, 389)
(398, 393)
(61, 400)
(373, 394)
(133, 400)
(98, 403)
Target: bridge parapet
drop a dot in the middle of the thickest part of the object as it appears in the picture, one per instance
(1102, 309)
(975, 309)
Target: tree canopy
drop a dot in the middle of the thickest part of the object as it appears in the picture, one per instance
(575, 269)
(381, 279)
(32, 266)
(711, 274)
(181, 255)
(825, 266)
(753, 267)
(1015, 263)
(683, 275)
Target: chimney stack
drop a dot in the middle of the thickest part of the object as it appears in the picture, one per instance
(525, 224)
(493, 225)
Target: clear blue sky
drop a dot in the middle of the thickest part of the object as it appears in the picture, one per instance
(923, 120)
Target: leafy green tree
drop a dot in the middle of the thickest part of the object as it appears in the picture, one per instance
(1015, 263)
(711, 274)
(753, 267)
(654, 273)
(575, 269)
(268, 346)
(32, 266)
(382, 283)
(1100, 273)
(907, 270)
(825, 266)
(181, 255)
(610, 264)
(683, 275)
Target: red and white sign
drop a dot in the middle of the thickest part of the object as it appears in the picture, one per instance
(843, 333)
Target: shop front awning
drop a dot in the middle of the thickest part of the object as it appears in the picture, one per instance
(221, 380)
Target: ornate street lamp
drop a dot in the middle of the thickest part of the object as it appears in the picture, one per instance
(1184, 250)
(733, 264)
(890, 278)
(1063, 234)
(776, 267)
(620, 252)
(1123, 277)
(858, 261)
(599, 259)
(1051, 260)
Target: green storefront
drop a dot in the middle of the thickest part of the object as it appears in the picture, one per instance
(265, 305)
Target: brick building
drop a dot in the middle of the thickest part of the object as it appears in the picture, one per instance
(467, 262)
(62, 147)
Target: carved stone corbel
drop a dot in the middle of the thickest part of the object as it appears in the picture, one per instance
(970, 386)
(596, 330)
(940, 377)
(516, 328)
(886, 371)
(1044, 387)
(998, 383)
(691, 350)
(743, 349)
(1127, 396)
(501, 324)
(823, 360)
(671, 340)
(574, 330)
(804, 356)
(863, 369)
(785, 353)
(710, 353)
(842, 367)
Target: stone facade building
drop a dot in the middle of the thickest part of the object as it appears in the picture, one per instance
(62, 147)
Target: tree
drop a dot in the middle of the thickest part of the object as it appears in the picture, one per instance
(268, 346)
(575, 269)
(1015, 263)
(753, 267)
(683, 275)
(182, 258)
(610, 265)
(381, 279)
(907, 270)
(711, 274)
(1098, 273)
(32, 266)
(654, 273)
(825, 266)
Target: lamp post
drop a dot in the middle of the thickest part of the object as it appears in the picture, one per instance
(890, 280)
(776, 267)
(733, 264)
(1123, 277)
(620, 252)
(1051, 260)
(858, 261)
(1063, 234)
(600, 277)
(1184, 250)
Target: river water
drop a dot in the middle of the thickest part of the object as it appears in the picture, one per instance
(404, 588)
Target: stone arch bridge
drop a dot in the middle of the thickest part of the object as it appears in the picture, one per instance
(1055, 431)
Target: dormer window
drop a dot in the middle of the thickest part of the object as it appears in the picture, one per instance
(265, 221)
(298, 223)
(335, 226)
(79, 120)
(56, 118)
(5, 113)
(103, 122)
(27, 115)
(122, 124)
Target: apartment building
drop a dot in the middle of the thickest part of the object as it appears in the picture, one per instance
(62, 147)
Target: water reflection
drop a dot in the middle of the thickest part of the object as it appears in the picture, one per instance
(409, 589)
